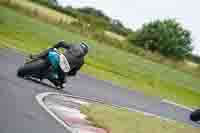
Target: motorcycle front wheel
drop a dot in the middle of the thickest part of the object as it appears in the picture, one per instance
(195, 116)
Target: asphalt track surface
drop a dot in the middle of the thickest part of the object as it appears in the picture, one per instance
(20, 112)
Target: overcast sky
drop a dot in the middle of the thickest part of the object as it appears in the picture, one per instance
(133, 13)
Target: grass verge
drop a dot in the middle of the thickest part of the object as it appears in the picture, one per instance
(122, 121)
(104, 62)
(38, 11)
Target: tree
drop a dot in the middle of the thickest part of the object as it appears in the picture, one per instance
(167, 37)
(93, 12)
(53, 2)
(47, 2)
(118, 27)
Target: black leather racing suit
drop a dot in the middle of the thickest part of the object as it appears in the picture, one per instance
(75, 57)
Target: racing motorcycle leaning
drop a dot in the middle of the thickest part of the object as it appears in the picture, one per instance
(44, 68)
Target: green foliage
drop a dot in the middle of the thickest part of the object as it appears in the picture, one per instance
(117, 27)
(53, 5)
(53, 2)
(41, 1)
(93, 12)
(167, 37)
(194, 58)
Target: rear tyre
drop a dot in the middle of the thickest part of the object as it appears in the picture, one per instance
(21, 72)
(33, 68)
(195, 116)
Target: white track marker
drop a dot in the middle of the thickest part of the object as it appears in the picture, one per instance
(41, 96)
(178, 105)
(40, 99)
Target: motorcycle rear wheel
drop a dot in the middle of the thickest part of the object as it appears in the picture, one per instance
(33, 68)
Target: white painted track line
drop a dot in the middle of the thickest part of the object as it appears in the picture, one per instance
(178, 105)
(40, 99)
(41, 96)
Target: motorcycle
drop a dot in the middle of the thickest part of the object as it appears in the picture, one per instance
(40, 68)
(195, 115)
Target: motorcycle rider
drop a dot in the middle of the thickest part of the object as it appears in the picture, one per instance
(74, 60)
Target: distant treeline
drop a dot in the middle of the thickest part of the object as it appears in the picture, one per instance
(96, 18)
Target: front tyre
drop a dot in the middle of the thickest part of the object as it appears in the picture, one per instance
(195, 116)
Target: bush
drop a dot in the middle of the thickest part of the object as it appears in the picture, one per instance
(167, 37)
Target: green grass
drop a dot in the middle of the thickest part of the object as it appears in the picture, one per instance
(41, 12)
(104, 62)
(122, 121)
